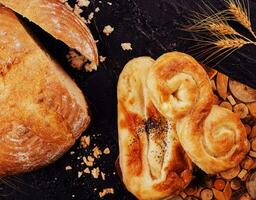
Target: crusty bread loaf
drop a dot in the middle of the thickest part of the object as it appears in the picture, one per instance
(43, 112)
(152, 161)
(60, 22)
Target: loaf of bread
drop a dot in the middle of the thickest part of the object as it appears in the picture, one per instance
(43, 112)
(60, 22)
(152, 161)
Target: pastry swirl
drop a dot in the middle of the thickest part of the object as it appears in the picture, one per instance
(152, 161)
(213, 137)
(178, 84)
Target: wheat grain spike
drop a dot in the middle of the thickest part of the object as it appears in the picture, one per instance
(229, 43)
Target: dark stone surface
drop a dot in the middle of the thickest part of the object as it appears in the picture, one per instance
(153, 27)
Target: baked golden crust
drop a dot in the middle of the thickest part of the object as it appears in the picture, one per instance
(152, 161)
(216, 142)
(42, 110)
(178, 85)
(56, 19)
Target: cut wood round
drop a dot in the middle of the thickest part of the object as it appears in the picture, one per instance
(247, 163)
(219, 184)
(231, 173)
(242, 92)
(253, 132)
(248, 129)
(222, 85)
(191, 190)
(245, 196)
(235, 184)
(226, 105)
(251, 185)
(241, 110)
(206, 194)
(252, 108)
(253, 144)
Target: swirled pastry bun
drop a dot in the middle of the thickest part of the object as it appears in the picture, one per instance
(178, 84)
(152, 160)
(216, 142)
(213, 137)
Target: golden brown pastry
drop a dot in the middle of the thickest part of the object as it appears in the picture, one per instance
(213, 137)
(178, 84)
(60, 22)
(152, 161)
(43, 112)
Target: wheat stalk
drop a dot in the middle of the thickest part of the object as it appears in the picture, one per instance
(223, 39)
(222, 28)
(229, 43)
(241, 13)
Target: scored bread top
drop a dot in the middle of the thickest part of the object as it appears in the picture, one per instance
(60, 22)
(43, 112)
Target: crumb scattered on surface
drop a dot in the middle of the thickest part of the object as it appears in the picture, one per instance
(109, 3)
(85, 141)
(79, 174)
(97, 9)
(83, 3)
(106, 191)
(96, 152)
(87, 162)
(126, 46)
(95, 172)
(108, 30)
(67, 168)
(72, 152)
(103, 176)
(87, 170)
(102, 59)
(106, 151)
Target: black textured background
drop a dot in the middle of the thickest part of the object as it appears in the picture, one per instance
(152, 27)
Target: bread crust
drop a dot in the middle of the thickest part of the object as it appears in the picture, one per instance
(40, 116)
(60, 22)
(152, 161)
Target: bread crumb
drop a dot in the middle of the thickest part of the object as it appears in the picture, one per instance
(90, 159)
(83, 3)
(126, 46)
(87, 171)
(67, 168)
(85, 141)
(108, 30)
(87, 162)
(77, 10)
(90, 67)
(79, 174)
(90, 17)
(96, 152)
(106, 151)
(106, 191)
(103, 176)
(72, 152)
(109, 3)
(97, 9)
(102, 59)
(95, 172)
